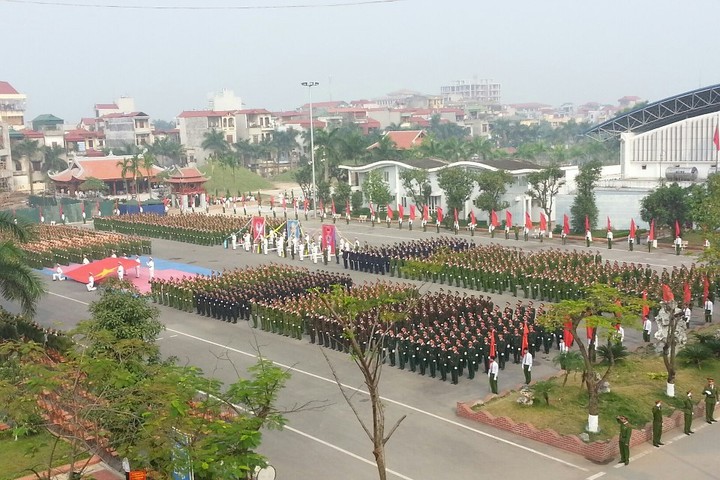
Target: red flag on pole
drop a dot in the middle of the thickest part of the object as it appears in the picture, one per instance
(587, 224)
(493, 353)
(284, 204)
(61, 209)
(645, 307)
(372, 210)
(328, 238)
(472, 218)
(651, 235)
(258, 226)
(567, 334)
(528, 221)
(525, 337)
(706, 289)
(82, 207)
(333, 206)
(439, 215)
(508, 218)
(306, 204)
(426, 213)
(687, 296)
(412, 212)
(493, 219)
(566, 224)
(609, 225)
(716, 138)
(667, 294)
(456, 216)
(389, 212)
(401, 212)
(677, 228)
(543, 222)
(590, 332)
(632, 228)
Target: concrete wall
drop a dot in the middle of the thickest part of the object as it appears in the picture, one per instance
(119, 132)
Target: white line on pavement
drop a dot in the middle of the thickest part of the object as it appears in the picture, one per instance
(596, 476)
(404, 405)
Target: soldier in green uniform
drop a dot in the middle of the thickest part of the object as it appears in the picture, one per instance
(688, 413)
(657, 423)
(711, 397)
(624, 439)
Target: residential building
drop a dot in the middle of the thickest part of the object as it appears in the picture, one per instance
(195, 124)
(52, 129)
(12, 106)
(255, 125)
(6, 164)
(471, 91)
(403, 139)
(123, 129)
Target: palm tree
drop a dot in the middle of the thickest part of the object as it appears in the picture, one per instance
(168, 148)
(17, 280)
(215, 142)
(429, 148)
(27, 148)
(354, 147)
(147, 164)
(480, 146)
(285, 142)
(244, 150)
(125, 167)
(454, 149)
(327, 146)
(53, 159)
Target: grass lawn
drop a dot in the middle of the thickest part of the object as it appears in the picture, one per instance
(635, 384)
(286, 177)
(696, 239)
(243, 181)
(30, 452)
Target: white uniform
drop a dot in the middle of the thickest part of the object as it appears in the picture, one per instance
(151, 268)
(85, 261)
(91, 284)
(58, 275)
(121, 272)
(137, 267)
(233, 239)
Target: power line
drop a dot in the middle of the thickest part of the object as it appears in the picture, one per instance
(205, 7)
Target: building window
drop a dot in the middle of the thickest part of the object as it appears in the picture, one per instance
(644, 167)
(213, 122)
(386, 176)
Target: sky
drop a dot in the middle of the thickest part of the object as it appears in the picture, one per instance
(67, 58)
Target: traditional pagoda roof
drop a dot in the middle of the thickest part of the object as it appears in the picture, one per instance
(187, 175)
(102, 168)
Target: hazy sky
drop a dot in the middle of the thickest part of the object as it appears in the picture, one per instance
(66, 59)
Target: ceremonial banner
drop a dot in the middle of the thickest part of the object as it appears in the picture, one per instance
(284, 204)
(706, 288)
(472, 218)
(528, 221)
(258, 228)
(328, 238)
(587, 224)
(439, 215)
(609, 226)
(306, 203)
(525, 337)
(493, 218)
(645, 307)
(293, 227)
(716, 138)
(667, 294)
(426, 213)
(493, 353)
(456, 215)
(333, 206)
(100, 269)
(272, 202)
(567, 335)
(372, 210)
(677, 228)
(401, 212)
(543, 222)
(687, 296)
(633, 229)
(566, 224)
(412, 212)
(347, 208)
(651, 235)
(508, 218)
(389, 212)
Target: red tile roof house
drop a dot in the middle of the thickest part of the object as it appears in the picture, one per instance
(105, 169)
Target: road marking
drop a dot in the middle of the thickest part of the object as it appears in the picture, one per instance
(358, 390)
(596, 476)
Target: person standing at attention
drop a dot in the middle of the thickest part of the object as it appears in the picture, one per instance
(688, 413)
(657, 424)
(527, 363)
(120, 271)
(493, 375)
(711, 398)
(647, 328)
(624, 439)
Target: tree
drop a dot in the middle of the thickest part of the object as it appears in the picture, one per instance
(285, 142)
(28, 149)
(328, 145)
(672, 335)
(303, 177)
(667, 204)
(602, 307)
(482, 147)
(454, 149)
(446, 130)
(341, 194)
(18, 282)
(93, 184)
(544, 186)
(457, 185)
(570, 361)
(584, 203)
(369, 359)
(53, 159)
(385, 149)
(147, 163)
(492, 185)
(706, 212)
(167, 148)
(215, 142)
(416, 183)
(376, 190)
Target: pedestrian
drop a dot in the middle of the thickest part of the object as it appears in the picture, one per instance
(493, 375)
(91, 283)
(687, 313)
(120, 271)
(137, 266)
(527, 363)
(151, 268)
(657, 424)
(58, 275)
(647, 328)
(688, 413)
(711, 398)
(708, 310)
(624, 439)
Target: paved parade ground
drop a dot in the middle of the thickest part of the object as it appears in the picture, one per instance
(327, 443)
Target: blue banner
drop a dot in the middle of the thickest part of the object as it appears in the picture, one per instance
(293, 227)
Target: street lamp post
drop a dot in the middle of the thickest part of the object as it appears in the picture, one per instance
(312, 145)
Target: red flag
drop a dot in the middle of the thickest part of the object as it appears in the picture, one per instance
(566, 224)
(543, 222)
(439, 215)
(306, 204)
(258, 227)
(677, 228)
(456, 216)
(333, 206)
(401, 212)
(372, 210)
(667, 294)
(426, 213)
(651, 235)
(590, 332)
(716, 138)
(295, 203)
(706, 289)
(284, 204)
(587, 224)
(687, 296)
(493, 218)
(632, 228)
(412, 212)
(328, 237)
(99, 269)
(508, 218)
(609, 226)
(347, 207)
(646, 307)
(528, 221)
(472, 218)
(389, 212)
(567, 334)
(525, 337)
(243, 201)
(493, 353)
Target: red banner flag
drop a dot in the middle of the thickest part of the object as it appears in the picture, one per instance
(426, 213)
(716, 138)
(332, 207)
(100, 269)
(633, 229)
(82, 207)
(645, 307)
(667, 294)
(706, 289)
(328, 237)
(439, 215)
(412, 212)
(651, 235)
(566, 224)
(306, 204)
(677, 228)
(372, 210)
(687, 296)
(258, 228)
(590, 332)
(493, 353)
(525, 336)
(389, 212)
(401, 212)
(456, 215)
(567, 335)
(609, 225)
(528, 221)
(347, 207)
(284, 204)
(508, 218)
(472, 218)
(543, 222)
(587, 224)
(493, 218)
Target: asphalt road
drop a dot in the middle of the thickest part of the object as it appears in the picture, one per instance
(326, 442)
